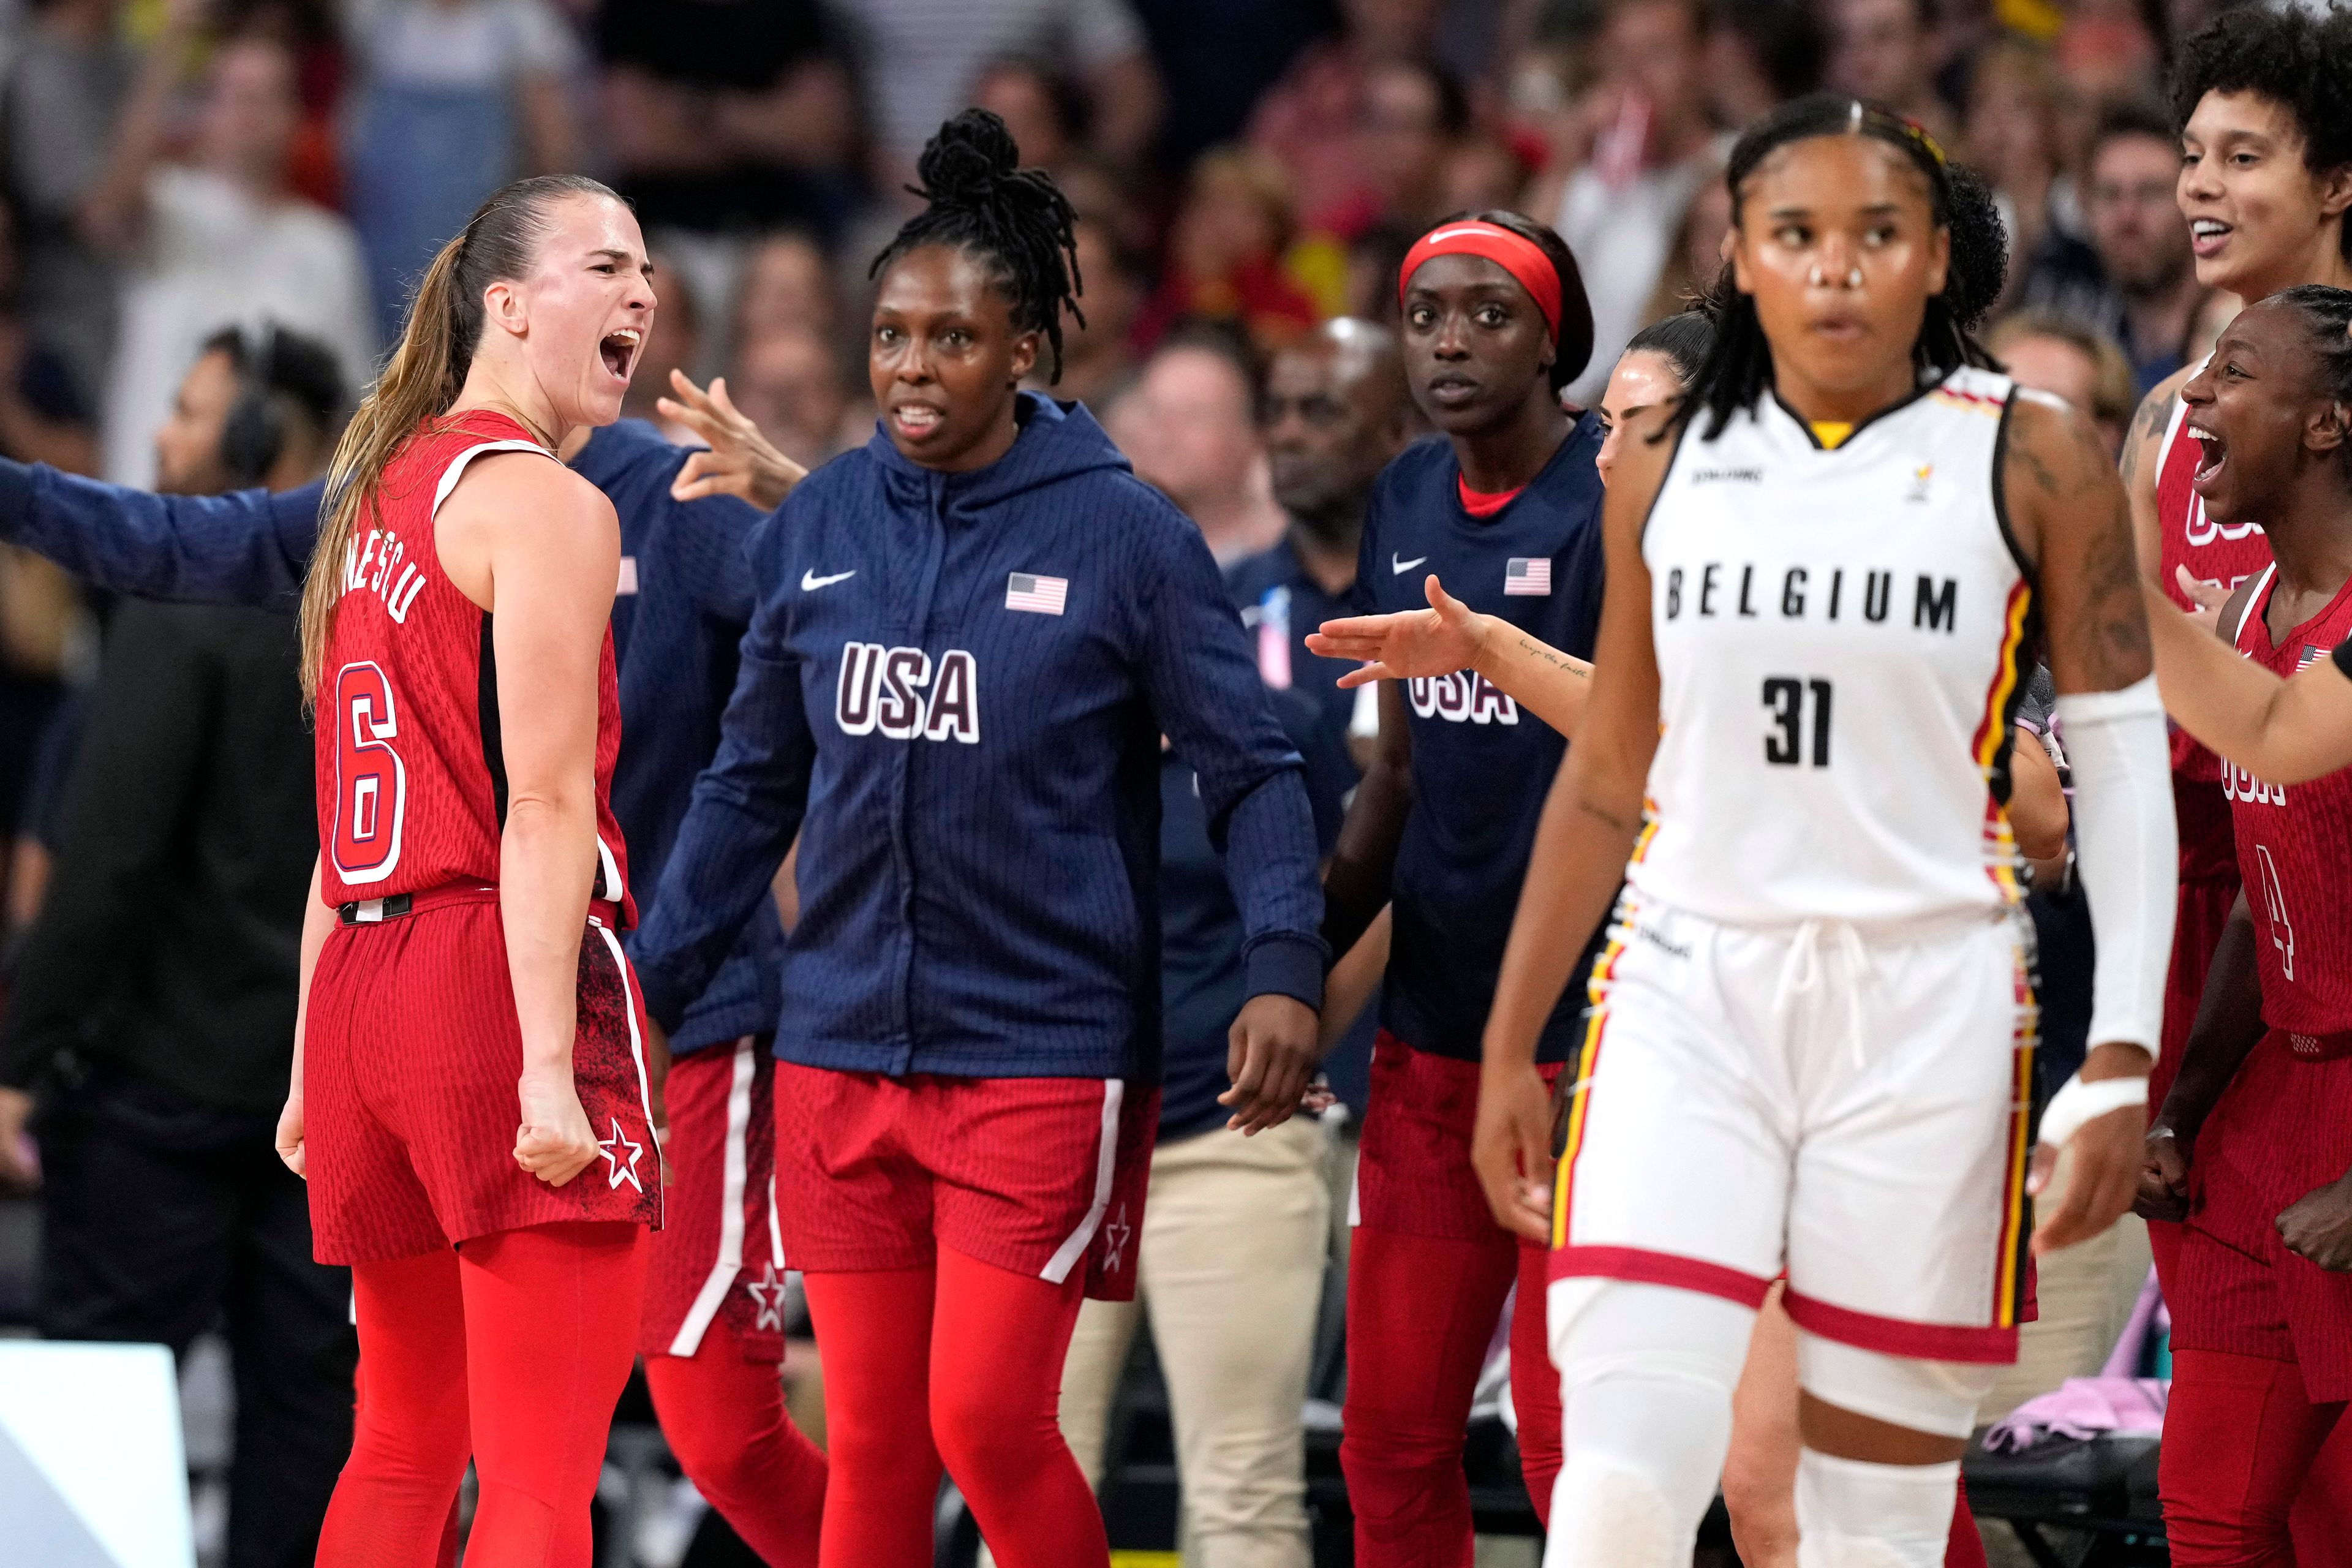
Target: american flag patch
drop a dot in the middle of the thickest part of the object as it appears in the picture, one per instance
(2312, 654)
(1528, 574)
(1040, 595)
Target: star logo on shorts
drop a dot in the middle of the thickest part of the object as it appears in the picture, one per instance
(768, 1291)
(1116, 1235)
(620, 1167)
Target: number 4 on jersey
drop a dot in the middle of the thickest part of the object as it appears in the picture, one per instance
(1786, 695)
(370, 782)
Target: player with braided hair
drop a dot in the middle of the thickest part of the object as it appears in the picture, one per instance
(1813, 1019)
(971, 636)
(2256, 1162)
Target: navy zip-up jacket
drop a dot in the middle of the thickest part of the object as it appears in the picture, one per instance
(686, 600)
(961, 682)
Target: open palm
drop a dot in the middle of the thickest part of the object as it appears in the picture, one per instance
(1407, 645)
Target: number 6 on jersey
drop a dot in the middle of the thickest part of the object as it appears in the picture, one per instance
(367, 769)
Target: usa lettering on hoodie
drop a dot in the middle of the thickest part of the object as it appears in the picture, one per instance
(954, 689)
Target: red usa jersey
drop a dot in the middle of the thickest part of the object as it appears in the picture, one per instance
(2225, 554)
(2294, 847)
(412, 776)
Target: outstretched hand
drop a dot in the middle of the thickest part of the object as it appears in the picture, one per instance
(741, 462)
(1409, 645)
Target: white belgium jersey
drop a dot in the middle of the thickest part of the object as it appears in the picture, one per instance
(1839, 633)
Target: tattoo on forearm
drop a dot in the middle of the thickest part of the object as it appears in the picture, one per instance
(2110, 626)
(1558, 660)
(2153, 411)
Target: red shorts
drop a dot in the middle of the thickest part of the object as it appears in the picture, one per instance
(720, 1258)
(1412, 1171)
(2237, 1288)
(1032, 1175)
(409, 1062)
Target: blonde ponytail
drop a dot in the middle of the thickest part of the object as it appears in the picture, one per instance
(423, 378)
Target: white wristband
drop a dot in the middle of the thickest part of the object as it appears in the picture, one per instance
(2081, 1102)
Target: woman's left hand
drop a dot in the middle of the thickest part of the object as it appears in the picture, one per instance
(1409, 645)
(1273, 1057)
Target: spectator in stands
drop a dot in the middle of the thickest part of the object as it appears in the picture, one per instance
(2142, 243)
(64, 84)
(1190, 426)
(1310, 119)
(220, 239)
(789, 383)
(2070, 359)
(1481, 173)
(1696, 260)
(920, 59)
(2013, 142)
(787, 285)
(1099, 358)
(154, 998)
(1224, 255)
(1885, 49)
(449, 100)
(727, 113)
(1620, 213)
(1044, 111)
(1760, 55)
(1412, 114)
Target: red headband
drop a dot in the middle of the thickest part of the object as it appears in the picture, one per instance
(1516, 253)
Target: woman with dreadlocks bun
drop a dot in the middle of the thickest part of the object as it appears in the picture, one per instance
(971, 636)
(1813, 1019)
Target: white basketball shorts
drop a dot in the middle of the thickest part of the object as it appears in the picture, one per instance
(1848, 1109)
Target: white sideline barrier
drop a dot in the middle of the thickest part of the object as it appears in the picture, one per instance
(92, 1473)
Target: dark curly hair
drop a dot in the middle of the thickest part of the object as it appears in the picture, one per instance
(1739, 366)
(2327, 318)
(980, 201)
(2301, 62)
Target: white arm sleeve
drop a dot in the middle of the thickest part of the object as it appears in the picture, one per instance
(2126, 853)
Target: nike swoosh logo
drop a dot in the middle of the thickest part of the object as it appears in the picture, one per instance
(1400, 567)
(811, 582)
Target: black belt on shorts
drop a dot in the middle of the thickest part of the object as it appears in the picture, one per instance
(375, 912)
(367, 912)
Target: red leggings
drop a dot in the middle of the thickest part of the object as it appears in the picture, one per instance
(512, 1348)
(2240, 1438)
(980, 1349)
(724, 1418)
(1420, 1313)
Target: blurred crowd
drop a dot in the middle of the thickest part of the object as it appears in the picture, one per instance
(169, 168)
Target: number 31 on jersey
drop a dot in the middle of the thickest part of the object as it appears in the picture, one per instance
(370, 782)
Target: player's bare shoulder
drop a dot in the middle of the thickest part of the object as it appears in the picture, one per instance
(522, 508)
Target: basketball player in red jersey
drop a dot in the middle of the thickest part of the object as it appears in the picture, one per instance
(470, 1099)
(2259, 1388)
(2265, 179)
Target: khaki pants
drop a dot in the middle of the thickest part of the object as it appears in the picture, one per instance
(1234, 1237)
(2085, 1293)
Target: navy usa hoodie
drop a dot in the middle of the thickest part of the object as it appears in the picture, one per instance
(954, 689)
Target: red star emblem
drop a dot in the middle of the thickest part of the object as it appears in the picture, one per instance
(620, 1167)
(768, 1291)
(1116, 1235)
